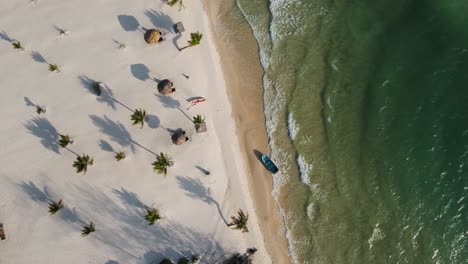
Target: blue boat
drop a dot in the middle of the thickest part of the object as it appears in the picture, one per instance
(269, 164)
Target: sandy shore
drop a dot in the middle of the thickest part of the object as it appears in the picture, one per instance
(114, 195)
(243, 74)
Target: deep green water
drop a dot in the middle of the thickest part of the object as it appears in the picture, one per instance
(367, 113)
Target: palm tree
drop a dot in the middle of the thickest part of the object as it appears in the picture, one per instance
(88, 229)
(54, 207)
(119, 156)
(65, 140)
(138, 117)
(82, 162)
(174, 2)
(195, 259)
(97, 88)
(53, 68)
(183, 260)
(197, 121)
(166, 261)
(195, 39)
(240, 222)
(152, 216)
(40, 110)
(17, 45)
(162, 163)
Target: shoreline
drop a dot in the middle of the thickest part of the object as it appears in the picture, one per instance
(246, 98)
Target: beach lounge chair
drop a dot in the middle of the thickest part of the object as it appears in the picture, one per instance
(2, 232)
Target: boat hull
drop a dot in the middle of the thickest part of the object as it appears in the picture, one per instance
(269, 164)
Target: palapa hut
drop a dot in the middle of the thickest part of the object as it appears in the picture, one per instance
(179, 137)
(152, 36)
(166, 87)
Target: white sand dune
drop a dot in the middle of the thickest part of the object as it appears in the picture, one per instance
(114, 194)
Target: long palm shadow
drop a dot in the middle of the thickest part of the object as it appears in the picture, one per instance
(36, 56)
(34, 192)
(117, 132)
(44, 130)
(129, 198)
(196, 190)
(160, 20)
(4, 36)
(170, 102)
(29, 102)
(107, 96)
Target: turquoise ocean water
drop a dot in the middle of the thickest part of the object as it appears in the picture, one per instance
(367, 113)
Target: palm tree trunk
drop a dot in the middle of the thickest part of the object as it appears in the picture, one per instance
(184, 47)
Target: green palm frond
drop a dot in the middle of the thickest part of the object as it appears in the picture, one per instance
(54, 207)
(40, 110)
(138, 117)
(88, 229)
(120, 156)
(82, 162)
(17, 45)
(240, 222)
(162, 163)
(172, 2)
(65, 140)
(198, 120)
(152, 216)
(53, 68)
(195, 38)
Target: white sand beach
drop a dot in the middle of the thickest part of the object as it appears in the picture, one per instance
(114, 194)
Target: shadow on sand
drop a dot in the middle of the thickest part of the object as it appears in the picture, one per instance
(195, 189)
(128, 23)
(140, 71)
(43, 129)
(4, 36)
(130, 234)
(42, 196)
(117, 132)
(160, 20)
(37, 57)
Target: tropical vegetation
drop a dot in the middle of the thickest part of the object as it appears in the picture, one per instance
(240, 222)
(82, 162)
(174, 2)
(138, 117)
(197, 121)
(97, 88)
(195, 39)
(166, 261)
(64, 140)
(53, 68)
(54, 207)
(40, 110)
(152, 216)
(162, 163)
(88, 229)
(119, 156)
(17, 45)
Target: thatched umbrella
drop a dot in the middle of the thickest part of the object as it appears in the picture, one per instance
(152, 36)
(179, 137)
(165, 87)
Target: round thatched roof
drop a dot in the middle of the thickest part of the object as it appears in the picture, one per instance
(179, 137)
(165, 87)
(152, 36)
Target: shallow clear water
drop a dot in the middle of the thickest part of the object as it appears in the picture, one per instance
(366, 111)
